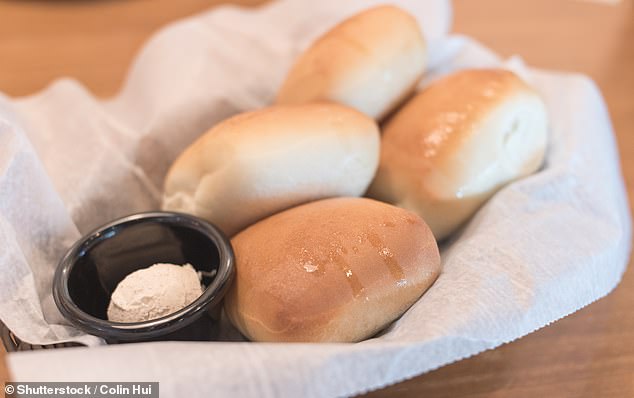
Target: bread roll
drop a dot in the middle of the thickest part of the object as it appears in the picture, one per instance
(370, 62)
(335, 270)
(258, 163)
(456, 143)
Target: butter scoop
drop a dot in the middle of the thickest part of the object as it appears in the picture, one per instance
(153, 292)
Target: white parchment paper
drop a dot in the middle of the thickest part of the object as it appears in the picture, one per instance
(540, 249)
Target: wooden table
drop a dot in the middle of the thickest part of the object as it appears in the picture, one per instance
(588, 354)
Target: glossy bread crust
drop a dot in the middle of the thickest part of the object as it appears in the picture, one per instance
(258, 163)
(335, 270)
(370, 61)
(457, 142)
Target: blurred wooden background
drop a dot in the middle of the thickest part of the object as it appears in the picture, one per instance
(588, 354)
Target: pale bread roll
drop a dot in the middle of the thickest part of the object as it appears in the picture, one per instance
(334, 270)
(258, 163)
(451, 147)
(371, 62)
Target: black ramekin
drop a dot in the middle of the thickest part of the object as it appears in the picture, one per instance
(91, 269)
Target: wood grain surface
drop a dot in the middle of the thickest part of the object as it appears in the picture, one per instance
(589, 353)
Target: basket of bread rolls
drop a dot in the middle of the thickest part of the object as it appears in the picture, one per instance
(308, 199)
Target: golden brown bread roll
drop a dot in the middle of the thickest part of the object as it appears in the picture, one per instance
(451, 147)
(258, 163)
(371, 62)
(335, 270)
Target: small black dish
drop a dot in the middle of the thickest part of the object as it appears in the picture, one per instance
(92, 268)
